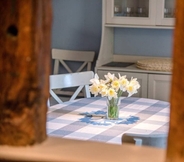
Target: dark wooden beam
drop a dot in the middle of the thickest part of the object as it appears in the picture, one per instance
(25, 32)
(175, 150)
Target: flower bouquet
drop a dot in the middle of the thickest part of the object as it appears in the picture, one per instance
(112, 88)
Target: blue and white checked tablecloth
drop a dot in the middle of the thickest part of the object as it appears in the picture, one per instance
(137, 115)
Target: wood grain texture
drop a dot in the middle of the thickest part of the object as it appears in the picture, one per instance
(175, 150)
(24, 70)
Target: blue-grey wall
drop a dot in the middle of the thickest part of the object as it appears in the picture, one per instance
(144, 42)
(77, 26)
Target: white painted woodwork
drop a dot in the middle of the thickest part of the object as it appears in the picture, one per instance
(155, 15)
(139, 26)
(159, 87)
(154, 84)
(106, 54)
(79, 79)
(60, 56)
(160, 19)
(150, 20)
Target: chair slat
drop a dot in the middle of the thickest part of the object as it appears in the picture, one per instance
(153, 140)
(82, 67)
(79, 79)
(70, 55)
(76, 93)
(55, 96)
(66, 66)
(56, 66)
(86, 57)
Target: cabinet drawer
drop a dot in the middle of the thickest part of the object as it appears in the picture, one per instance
(159, 87)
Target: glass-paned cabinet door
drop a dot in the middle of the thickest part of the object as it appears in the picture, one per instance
(165, 12)
(131, 12)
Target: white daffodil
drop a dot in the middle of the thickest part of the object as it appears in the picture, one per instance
(135, 83)
(120, 77)
(133, 86)
(95, 80)
(102, 86)
(113, 87)
(111, 93)
(109, 77)
(123, 82)
(94, 89)
(131, 90)
(103, 92)
(115, 84)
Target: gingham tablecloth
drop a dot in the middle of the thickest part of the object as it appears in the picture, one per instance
(137, 115)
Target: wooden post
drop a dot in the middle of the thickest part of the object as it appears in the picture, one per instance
(175, 150)
(24, 70)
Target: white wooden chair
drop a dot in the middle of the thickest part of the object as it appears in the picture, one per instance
(61, 56)
(153, 140)
(79, 79)
(83, 58)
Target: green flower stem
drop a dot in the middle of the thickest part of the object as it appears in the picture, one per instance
(113, 108)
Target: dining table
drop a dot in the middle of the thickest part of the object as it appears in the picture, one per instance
(85, 119)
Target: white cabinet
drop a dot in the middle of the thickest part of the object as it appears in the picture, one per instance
(135, 14)
(165, 12)
(157, 14)
(140, 12)
(153, 85)
(159, 87)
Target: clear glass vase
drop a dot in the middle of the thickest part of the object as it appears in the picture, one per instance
(113, 108)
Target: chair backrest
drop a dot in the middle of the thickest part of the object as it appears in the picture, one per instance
(60, 56)
(80, 80)
(153, 140)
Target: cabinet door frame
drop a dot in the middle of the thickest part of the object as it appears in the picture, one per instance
(160, 19)
(111, 19)
(153, 79)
